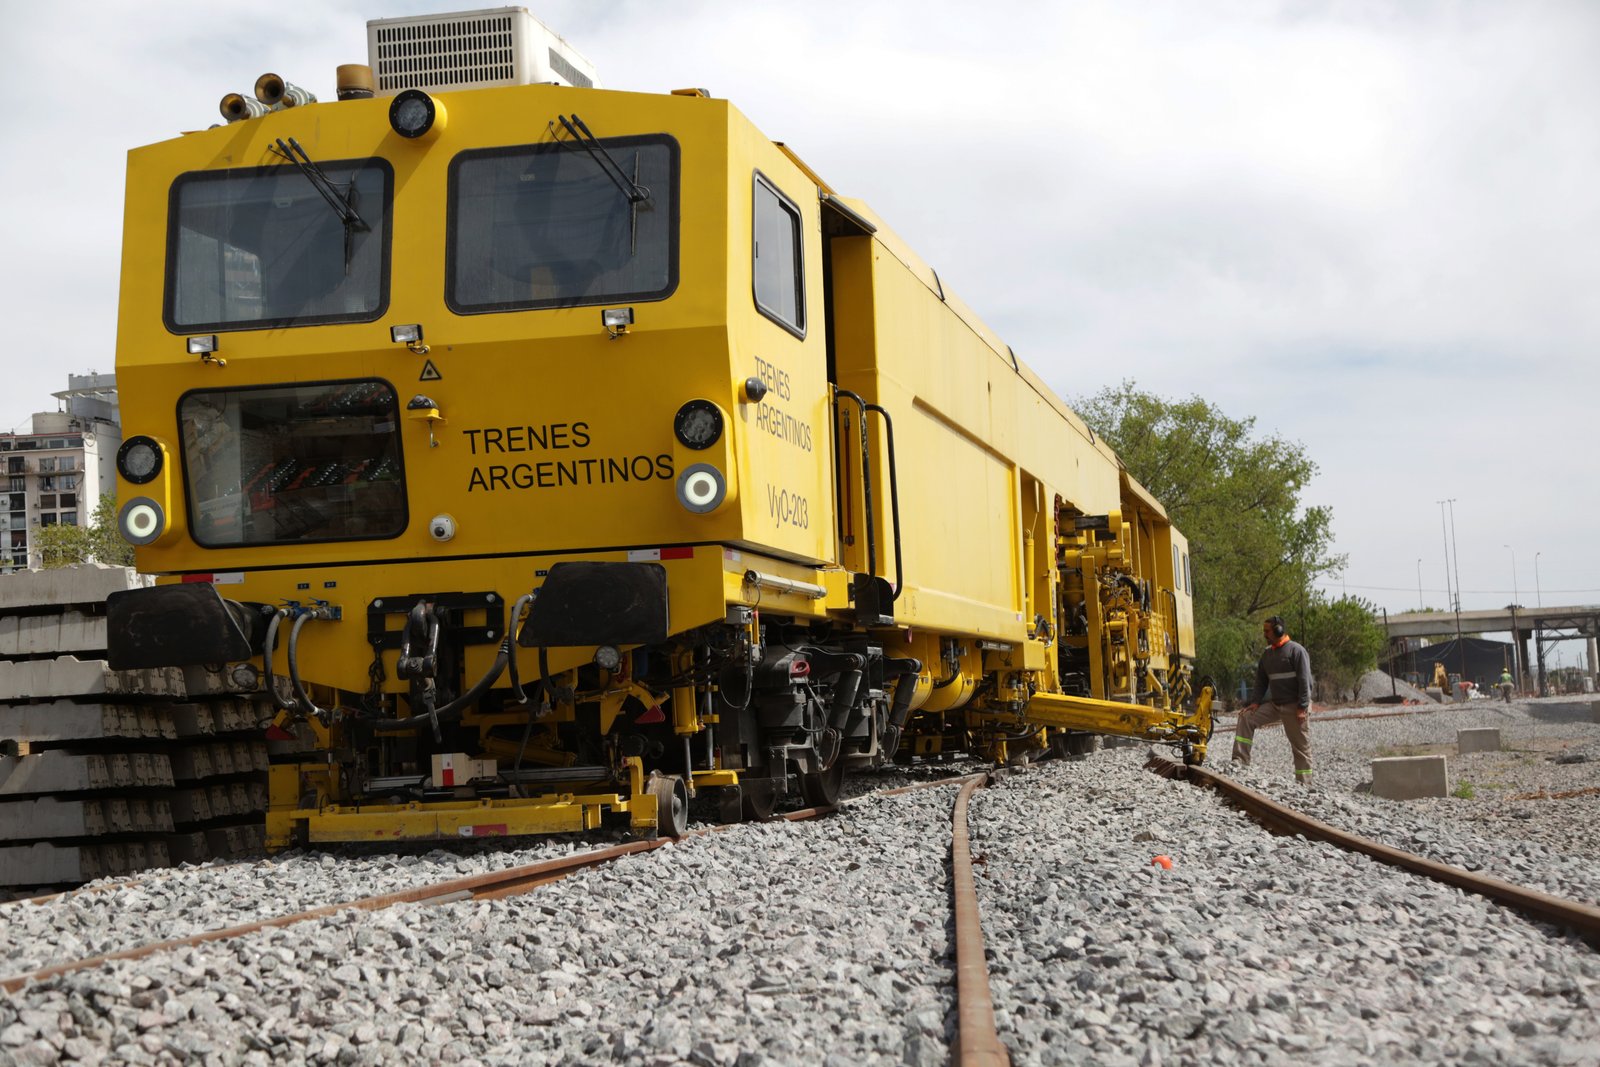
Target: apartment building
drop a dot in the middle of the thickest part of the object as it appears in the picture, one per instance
(57, 472)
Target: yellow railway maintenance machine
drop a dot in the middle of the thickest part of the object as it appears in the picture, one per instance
(551, 455)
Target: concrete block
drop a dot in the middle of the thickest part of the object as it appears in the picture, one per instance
(66, 721)
(1410, 777)
(52, 772)
(192, 720)
(190, 806)
(1479, 739)
(232, 841)
(38, 635)
(188, 848)
(221, 801)
(192, 764)
(46, 864)
(46, 818)
(1437, 694)
(83, 583)
(68, 676)
(1594, 711)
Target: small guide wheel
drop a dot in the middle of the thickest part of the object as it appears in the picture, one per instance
(672, 805)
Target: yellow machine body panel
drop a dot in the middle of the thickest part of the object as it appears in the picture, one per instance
(547, 432)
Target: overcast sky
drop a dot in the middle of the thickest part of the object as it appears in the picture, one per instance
(1373, 227)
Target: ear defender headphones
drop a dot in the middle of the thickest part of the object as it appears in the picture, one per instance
(1276, 622)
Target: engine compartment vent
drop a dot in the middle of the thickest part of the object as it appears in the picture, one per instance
(472, 50)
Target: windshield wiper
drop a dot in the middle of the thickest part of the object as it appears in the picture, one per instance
(343, 204)
(636, 193)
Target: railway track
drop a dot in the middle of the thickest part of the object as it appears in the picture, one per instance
(1573, 915)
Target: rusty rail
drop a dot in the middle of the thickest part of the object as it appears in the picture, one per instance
(977, 1041)
(1570, 914)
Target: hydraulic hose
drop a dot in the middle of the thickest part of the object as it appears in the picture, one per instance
(266, 659)
(302, 698)
(511, 628)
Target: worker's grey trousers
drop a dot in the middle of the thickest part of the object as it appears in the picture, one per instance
(1294, 726)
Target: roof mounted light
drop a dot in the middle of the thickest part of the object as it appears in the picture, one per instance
(415, 114)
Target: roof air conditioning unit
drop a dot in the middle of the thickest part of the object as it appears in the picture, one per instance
(472, 50)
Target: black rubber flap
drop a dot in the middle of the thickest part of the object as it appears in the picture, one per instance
(172, 626)
(590, 603)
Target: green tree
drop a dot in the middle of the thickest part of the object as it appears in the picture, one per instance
(1256, 549)
(1346, 639)
(61, 545)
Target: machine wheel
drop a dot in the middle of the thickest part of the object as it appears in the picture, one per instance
(821, 790)
(672, 805)
(757, 799)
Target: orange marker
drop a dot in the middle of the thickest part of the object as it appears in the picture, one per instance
(1164, 862)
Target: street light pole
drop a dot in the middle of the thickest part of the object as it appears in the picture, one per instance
(1444, 533)
(1461, 646)
(1516, 657)
(1538, 593)
(1420, 604)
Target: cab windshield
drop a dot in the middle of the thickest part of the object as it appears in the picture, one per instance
(259, 247)
(270, 465)
(558, 225)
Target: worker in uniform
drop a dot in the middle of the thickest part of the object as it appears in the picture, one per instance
(1506, 684)
(1283, 692)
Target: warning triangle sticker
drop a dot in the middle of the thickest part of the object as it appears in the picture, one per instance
(430, 373)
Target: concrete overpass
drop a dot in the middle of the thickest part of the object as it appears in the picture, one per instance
(1543, 626)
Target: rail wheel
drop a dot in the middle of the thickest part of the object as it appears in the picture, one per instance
(758, 799)
(672, 805)
(821, 790)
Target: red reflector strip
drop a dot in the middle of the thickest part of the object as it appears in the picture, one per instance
(484, 830)
(449, 776)
(197, 577)
(650, 555)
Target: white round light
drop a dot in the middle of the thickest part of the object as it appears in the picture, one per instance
(141, 521)
(701, 488)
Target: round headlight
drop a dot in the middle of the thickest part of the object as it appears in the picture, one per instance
(698, 424)
(141, 521)
(701, 488)
(607, 657)
(139, 459)
(412, 113)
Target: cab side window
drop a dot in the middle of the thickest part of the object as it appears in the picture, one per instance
(779, 271)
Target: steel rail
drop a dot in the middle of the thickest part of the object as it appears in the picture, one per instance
(977, 1041)
(493, 885)
(1570, 914)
